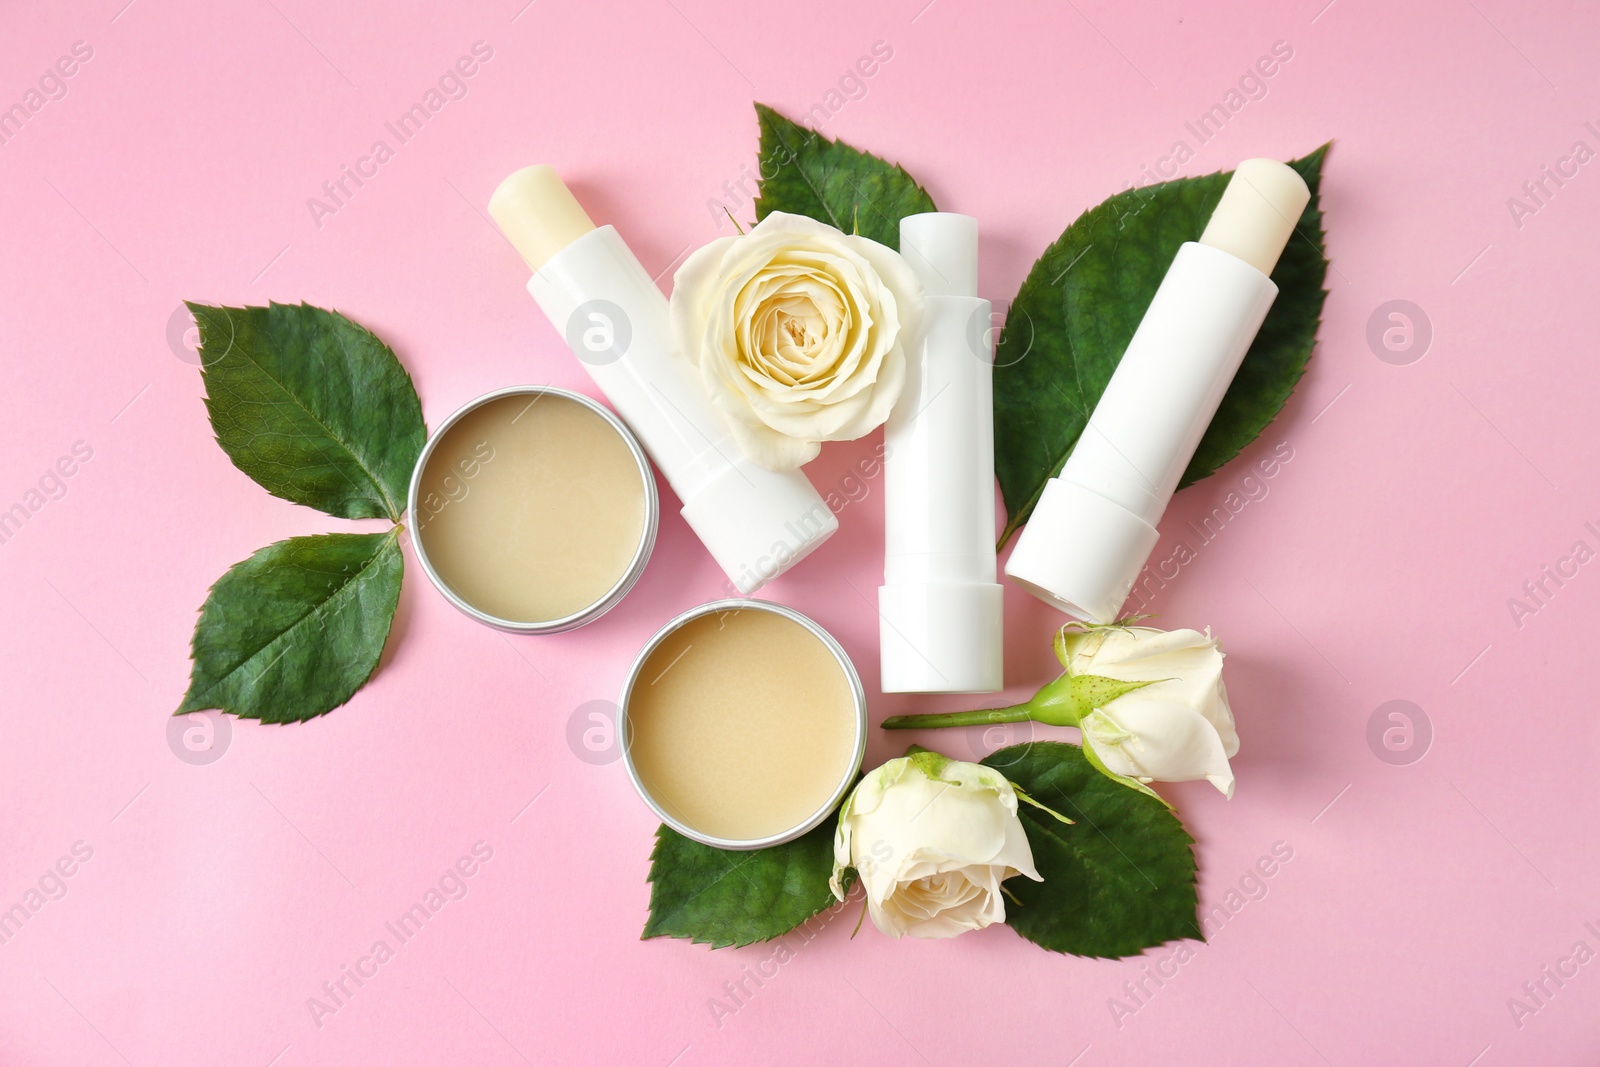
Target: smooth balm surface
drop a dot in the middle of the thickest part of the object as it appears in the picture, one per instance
(531, 507)
(1258, 211)
(538, 214)
(743, 724)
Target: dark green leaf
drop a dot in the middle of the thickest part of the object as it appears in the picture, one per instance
(1118, 881)
(296, 629)
(312, 406)
(804, 173)
(718, 897)
(1079, 306)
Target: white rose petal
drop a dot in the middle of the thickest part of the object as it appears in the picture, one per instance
(1158, 741)
(799, 332)
(1179, 727)
(931, 852)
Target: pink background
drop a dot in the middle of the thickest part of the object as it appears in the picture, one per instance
(1377, 567)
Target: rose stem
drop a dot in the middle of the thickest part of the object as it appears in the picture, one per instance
(982, 717)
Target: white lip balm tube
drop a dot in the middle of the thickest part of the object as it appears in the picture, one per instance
(755, 522)
(940, 607)
(1095, 523)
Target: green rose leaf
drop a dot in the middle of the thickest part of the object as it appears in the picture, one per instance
(312, 406)
(720, 897)
(1118, 881)
(296, 629)
(1079, 306)
(804, 173)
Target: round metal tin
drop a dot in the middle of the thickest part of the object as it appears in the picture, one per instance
(647, 539)
(846, 781)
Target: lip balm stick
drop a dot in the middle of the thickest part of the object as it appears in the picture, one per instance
(1095, 523)
(755, 522)
(940, 607)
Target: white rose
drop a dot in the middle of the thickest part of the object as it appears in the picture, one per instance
(932, 839)
(799, 332)
(1179, 727)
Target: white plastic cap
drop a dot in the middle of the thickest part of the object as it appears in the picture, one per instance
(942, 248)
(1089, 573)
(941, 638)
(758, 523)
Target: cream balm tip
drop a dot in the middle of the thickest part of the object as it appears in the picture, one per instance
(538, 214)
(1258, 212)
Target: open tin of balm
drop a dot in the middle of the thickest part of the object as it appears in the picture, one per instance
(533, 509)
(743, 724)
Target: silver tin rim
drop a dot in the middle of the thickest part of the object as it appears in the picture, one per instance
(846, 782)
(652, 518)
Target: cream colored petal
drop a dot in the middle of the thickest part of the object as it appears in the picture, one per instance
(860, 414)
(842, 837)
(1184, 666)
(771, 449)
(880, 878)
(1160, 742)
(858, 349)
(888, 917)
(758, 441)
(790, 225)
(904, 297)
(799, 333)
(693, 293)
(773, 358)
(875, 784)
(1214, 706)
(1016, 855)
(936, 817)
(967, 904)
(1140, 653)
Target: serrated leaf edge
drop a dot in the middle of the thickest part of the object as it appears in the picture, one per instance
(193, 702)
(762, 113)
(1054, 833)
(651, 932)
(393, 509)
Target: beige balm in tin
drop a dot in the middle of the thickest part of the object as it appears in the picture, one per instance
(533, 509)
(743, 724)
